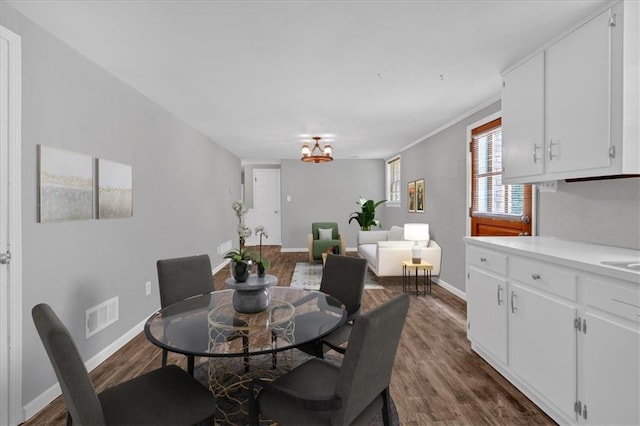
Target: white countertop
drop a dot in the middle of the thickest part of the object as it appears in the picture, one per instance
(570, 253)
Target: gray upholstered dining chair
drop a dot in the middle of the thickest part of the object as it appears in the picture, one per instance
(184, 277)
(319, 392)
(343, 278)
(166, 396)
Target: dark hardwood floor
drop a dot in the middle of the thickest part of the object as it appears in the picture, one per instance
(437, 379)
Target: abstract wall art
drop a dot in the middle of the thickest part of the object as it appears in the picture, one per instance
(65, 185)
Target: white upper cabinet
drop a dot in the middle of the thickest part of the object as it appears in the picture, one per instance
(523, 122)
(578, 98)
(571, 111)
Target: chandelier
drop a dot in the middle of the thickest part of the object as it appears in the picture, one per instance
(316, 154)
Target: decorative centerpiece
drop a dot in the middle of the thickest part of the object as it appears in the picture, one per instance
(262, 262)
(367, 217)
(241, 261)
(252, 296)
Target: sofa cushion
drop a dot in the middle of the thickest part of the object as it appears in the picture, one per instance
(396, 233)
(325, 234)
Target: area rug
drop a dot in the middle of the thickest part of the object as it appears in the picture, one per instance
(308, 277)
(229, 412)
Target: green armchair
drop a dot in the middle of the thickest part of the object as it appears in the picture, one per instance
(319, 240)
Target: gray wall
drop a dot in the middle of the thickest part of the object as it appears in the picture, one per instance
(601, 212)
(327, 192)
(184, 185)
(441, 161)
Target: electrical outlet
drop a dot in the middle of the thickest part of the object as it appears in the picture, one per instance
(548, 186)
(147, 288)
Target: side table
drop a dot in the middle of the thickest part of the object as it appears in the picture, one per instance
(426, 268)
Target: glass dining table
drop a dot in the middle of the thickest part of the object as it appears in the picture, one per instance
(208, 326)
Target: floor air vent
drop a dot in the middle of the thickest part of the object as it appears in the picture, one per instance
(101, 316)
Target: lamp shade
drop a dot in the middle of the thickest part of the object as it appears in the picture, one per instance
(416, 231)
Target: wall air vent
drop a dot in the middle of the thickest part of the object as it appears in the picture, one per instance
(101, 316)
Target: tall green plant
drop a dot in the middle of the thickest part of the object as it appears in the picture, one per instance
(367, 217)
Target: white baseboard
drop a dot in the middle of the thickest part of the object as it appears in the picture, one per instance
(220, 266)
(45, 398)
(293, 250)
(451, 289)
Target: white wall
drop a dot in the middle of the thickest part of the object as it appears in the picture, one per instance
(184, 185)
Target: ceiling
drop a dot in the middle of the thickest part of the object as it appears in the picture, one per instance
(259, 77)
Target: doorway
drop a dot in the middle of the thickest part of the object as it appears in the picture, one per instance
(10, 230)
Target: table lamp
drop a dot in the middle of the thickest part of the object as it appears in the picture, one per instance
(416, 232)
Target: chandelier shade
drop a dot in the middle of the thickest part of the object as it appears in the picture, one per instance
(317, 154)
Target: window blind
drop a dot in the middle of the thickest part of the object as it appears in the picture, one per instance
(489, 195)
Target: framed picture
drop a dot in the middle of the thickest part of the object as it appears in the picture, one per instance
(420, 196)
(411, 196)
(65, 185)
(115, 190)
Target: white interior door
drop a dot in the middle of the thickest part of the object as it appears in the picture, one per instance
(10, 232)
(266, 203)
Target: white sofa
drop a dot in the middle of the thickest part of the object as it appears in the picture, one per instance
(385, 251)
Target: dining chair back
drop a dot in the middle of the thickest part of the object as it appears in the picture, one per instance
(367, 365)
(343, 278)
(320, 392)
(163, 396)
(184, 277)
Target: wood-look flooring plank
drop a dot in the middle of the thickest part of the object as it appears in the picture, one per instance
(436, 380)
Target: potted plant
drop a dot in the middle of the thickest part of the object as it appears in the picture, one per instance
(241, 261)
(263, 263)
(367, 217)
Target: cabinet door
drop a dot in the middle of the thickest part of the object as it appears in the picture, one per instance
(542, 345)
(487, 312)
(610, 374)
(578, 98)
(523, 120)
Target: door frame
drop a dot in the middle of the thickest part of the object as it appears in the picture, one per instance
(12, 304)
(534, 188)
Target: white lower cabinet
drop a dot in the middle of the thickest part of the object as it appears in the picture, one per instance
(542, 345)
(488, 314)
(568, 337)
(609, 372)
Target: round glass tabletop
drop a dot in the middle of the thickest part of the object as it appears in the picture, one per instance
(207, 325)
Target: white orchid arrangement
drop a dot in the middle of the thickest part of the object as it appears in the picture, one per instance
(242, 229)
(261, 231)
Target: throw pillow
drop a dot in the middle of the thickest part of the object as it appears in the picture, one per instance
(325, 234)
(396, 233)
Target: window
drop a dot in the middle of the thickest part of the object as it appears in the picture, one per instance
(490, 198)
(394, 188)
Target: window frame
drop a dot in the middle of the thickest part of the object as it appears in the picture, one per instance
(388, 181)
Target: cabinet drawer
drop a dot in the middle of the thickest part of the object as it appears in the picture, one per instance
(617, 299)
(553, 279)
(487, 259)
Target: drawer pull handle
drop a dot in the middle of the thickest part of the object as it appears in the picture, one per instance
(535, 276)
(513, 305)
(483, 259)
(499, 295)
